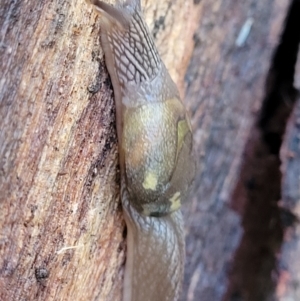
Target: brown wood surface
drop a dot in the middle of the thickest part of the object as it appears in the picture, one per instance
(62, 234)
(232, 223)
(289, 256)
(61, 224)
(59, 183)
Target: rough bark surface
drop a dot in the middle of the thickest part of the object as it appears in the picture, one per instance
(62, 234)
(288, 268)
(227, 221)
(61, 224)
(288, 259)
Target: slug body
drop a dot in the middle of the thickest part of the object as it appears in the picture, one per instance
(155, 149)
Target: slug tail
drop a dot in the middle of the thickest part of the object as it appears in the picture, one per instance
(155, 255)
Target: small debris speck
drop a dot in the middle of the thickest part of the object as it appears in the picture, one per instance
(41, 273)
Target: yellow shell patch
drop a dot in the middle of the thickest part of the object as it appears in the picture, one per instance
(182, 129)
(175, 201)
(150, 181)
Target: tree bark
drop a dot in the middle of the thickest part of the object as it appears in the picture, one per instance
(287, 287)
(233, 222)
(288, 267)
(62, 229)
(62, 234)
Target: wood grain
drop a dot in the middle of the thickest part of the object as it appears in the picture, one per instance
(287, 287)
(226, 87)
(62, 230)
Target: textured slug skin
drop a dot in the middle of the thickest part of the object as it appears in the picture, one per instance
(155, 256)
(155, 149)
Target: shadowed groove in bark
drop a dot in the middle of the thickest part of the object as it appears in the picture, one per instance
(253, 274)
(280, 92)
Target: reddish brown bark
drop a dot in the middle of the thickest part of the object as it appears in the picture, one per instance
(233, 226)
(288, 258)
(61, 226)
(61, 222)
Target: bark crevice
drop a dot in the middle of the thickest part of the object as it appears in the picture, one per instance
(254, 272)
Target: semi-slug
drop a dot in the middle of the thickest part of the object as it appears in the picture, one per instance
(155, 151)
